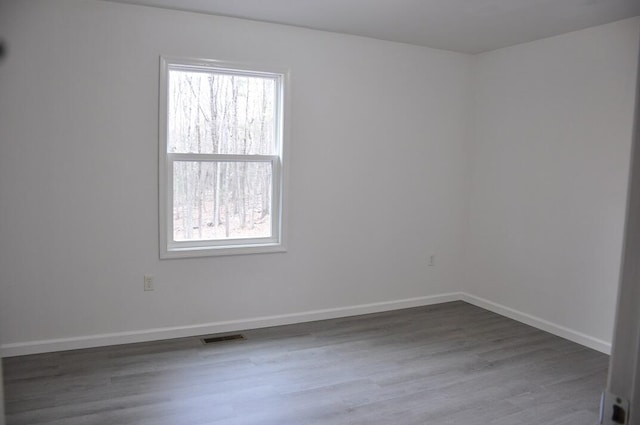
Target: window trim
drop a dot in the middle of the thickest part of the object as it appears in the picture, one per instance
(188, 249)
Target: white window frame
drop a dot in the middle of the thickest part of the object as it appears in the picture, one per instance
(170, 248)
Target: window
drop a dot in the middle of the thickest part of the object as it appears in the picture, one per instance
(221, 159)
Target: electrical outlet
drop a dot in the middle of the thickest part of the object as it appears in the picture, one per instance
(148, 282)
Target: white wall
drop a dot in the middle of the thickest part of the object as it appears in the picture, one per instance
(510, 166)
(550, 153)
(376, 180)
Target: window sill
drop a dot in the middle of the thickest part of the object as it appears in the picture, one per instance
(208, 251)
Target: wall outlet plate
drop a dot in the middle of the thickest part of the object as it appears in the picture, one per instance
(148, 282)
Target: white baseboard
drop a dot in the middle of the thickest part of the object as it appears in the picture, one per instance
(536, 322)
(88, 341)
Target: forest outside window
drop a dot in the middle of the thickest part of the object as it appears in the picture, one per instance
(221, 159)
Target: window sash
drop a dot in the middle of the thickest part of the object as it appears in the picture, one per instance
(276, 225)
(218, 157)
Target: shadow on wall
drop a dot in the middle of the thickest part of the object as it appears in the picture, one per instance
(3, 50)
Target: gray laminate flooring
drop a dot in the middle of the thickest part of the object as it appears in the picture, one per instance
(450, 363)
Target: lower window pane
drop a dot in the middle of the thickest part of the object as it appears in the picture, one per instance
(221, 200)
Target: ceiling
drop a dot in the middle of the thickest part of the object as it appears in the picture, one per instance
(468, 26)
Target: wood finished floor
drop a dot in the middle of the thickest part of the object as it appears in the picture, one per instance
(451, 363)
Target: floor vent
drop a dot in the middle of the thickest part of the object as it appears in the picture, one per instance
(215, 339)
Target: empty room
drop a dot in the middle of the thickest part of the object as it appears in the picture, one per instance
(337, 212)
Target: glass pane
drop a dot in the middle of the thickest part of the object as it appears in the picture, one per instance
(211, 112)
(221, 200)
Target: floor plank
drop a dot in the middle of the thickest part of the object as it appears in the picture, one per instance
(450, 363)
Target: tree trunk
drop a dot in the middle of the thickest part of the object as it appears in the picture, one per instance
(266, 181)
(214, 87)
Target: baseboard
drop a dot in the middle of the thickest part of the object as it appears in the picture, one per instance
(88, 341)
(536, 322)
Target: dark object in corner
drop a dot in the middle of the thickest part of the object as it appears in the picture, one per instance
(3, 50)
(619, 415)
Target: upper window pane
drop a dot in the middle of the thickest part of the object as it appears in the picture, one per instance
(221, 113)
